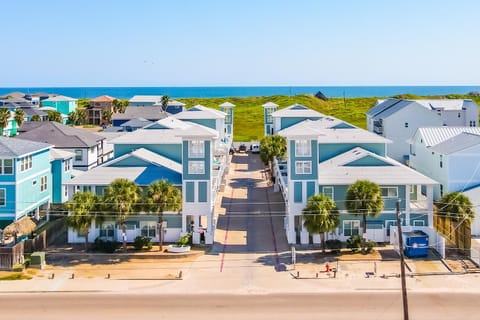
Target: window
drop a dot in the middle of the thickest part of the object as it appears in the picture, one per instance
(418, 223)
(149, 230)
(196, 148)
(196, 167)
(106, 230)
(65, 191)
(6, 166)
(389, 192)
(43, 183)
(441, 161)
(441, 190)
(303, 148)
(388, 224)
(67, 165)
(78, 155)
(459, 115)
(412, 149)
(303, 167)
(328, 191)
(3, 197)
(269, 115)
(351, 227)
(406, 124)
(25, 163)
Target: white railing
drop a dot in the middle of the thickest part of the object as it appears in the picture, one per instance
(279, 172)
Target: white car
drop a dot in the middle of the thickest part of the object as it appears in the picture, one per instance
(255, 147)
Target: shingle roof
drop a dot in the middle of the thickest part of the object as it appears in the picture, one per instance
(33, 111)
(60, 98)
(12, 148)
(434, 135)
(337, 171)
(61, 136)
(60, 154)
(136, 123)
(140, 112)
(297, 110)
(104, 98)
(146, 98)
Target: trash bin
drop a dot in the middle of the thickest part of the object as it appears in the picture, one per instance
(415, 244)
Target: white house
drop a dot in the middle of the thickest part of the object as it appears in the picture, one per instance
(450, 155)
(398, 119)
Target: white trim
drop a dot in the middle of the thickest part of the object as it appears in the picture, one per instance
(308, 148)
(191, 147)
(31, 176)
(196, 164)
(350, 221)
(333, 191)
(32, 206)
(4, 197)
(418, 225)
(388, 189)
(302, 163)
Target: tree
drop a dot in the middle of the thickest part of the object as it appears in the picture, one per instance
(36, 117)
(272, 146)
(364, 198)
(116, 105)
(165, 100)
(121, 198)
(19, 117)
(119, 106)
(73, 118)
(163, 196)
(457, 208)
(82, 116)
(82, 212)
(4, 116)
(107, 116)
(320, 216)
(54, 116)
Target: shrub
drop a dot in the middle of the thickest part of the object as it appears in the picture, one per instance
(354, 242)
(185, 240)
(142, 241)
(334, 245)
(369, 246)
(106, 246)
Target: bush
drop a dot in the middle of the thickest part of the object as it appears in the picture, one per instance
(369, 246)
(142, 241)
(106, 246)
(354, 242)
(334, 245)
(185, 240)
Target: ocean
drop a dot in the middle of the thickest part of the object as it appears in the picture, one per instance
(220, 92)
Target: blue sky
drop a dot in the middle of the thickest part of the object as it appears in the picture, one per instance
(239, 42)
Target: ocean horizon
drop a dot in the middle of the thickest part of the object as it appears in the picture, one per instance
(246, 91)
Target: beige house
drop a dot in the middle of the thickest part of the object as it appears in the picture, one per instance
(96, 108)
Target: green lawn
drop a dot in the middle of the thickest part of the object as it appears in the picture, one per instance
(248, 112)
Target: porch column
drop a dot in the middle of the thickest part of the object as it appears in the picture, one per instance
(303, 234)
(430, 205)
(184, 223)
(291, 237)
(407, 204)
(209, 230)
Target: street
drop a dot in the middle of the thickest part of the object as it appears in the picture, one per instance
(355, 305)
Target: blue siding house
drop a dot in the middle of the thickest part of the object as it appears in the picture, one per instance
(25, 178)
(62, 104)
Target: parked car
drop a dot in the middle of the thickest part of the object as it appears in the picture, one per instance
(232, 150)
(242, 148)
(255, 148)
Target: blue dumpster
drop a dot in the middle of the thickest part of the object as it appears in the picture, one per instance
(415, 244)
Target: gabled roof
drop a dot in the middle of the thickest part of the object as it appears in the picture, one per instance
(200, 112)
(156, 168)
(270, 105)
(60, 154)
(457, 143)
(136, 123)
(146, 98)
(60, 98)
(297, 110)
(14, 147)
(227, 104)
(342, 170)
(34, 111)
(61, 136)
(104, 98)
(15, 94)
(172, 103)
(143, 112)
(432, 136)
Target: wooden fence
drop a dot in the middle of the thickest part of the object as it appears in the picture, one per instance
(11, 256)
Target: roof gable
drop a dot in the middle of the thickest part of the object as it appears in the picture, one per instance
(14, 147)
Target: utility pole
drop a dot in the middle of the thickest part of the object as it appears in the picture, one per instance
(402, 263)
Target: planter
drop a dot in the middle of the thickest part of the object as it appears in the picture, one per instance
(178, 248)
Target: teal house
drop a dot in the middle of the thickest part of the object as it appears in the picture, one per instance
(327, 155)
(268, 109)
(61, 171)
(62, 104)
(227, 108)
(25, 179)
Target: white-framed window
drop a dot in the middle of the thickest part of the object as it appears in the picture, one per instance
(269, 115)
(107, 230)
(389, 192)
(196, 167)
(328, 191)
(388, 224)
(303, 167)
(78, 155)
(6, 166)
(43, 183)
(303, 148)
(149, 229)
(65, 191)
(351, 227)
(418, 223)
(25, 163)
(196, 149)
(67, 165)
(3, 197)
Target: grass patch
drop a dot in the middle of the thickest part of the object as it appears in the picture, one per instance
(14, 276)
(248, 112)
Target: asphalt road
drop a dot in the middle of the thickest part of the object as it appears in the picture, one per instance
(358, 306)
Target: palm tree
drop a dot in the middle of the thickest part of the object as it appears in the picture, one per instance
(36, 117)
(320, 216)
(165, 100)
(121, 198)
(272, 146)
(163, 196)
(82, 116)
(458, 208)
(73, 118)
(19, 117)
(123, 105)
(82, 211)
(4, 116)
(54, 116)
(364, 198)
(107, 116)
(116, 105)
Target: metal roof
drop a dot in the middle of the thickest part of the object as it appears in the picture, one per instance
(457, 143)
(434, 135)
(227, 105)
(146, 98)
(14, 147)
(270, 105)
(297, 110)
(137, 123)
(337, 171)
(200, 112)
